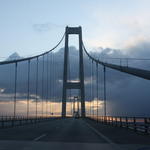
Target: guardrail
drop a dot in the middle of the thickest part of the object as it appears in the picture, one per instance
(9, 121)
(138, 124)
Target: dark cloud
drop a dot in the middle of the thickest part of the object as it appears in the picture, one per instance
(126, 94)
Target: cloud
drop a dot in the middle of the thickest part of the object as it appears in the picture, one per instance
(2, 90)
(119, 31)
(126, 94)
(44, 27)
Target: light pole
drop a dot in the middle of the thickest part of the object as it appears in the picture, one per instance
(76, 113)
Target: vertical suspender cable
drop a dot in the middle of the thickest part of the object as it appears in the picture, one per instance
(104, 91)
(47, 86)
(28, 90)
(92, 90)
(15, 90)
(52, 86)
(37, 85)
(97, 88)
(50, 77)
(49, 82)
(69, 76)
(42, 84)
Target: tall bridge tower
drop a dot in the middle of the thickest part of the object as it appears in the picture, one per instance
(70, 85)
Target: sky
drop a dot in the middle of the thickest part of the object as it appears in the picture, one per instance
(30, 27)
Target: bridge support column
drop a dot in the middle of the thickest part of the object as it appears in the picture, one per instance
(70, 85)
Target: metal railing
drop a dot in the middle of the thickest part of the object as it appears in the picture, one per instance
(10, 121)
(138, 124)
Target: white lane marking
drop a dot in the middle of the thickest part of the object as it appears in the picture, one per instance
(39, 137)
(116, 147)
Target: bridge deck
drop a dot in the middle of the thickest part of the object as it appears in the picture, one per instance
(72, 134)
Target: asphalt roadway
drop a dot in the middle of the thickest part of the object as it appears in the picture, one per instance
(70, 134)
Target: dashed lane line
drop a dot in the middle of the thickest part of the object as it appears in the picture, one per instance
(39, 137)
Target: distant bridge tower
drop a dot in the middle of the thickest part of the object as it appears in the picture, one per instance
(70, 85)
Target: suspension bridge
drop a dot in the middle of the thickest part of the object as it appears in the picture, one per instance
(48, 104)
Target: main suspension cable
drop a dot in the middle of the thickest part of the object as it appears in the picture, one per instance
(33, 57)
(142, 73)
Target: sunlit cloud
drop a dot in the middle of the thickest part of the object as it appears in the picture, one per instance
(2, 90)
(7, 108)
(53, 108)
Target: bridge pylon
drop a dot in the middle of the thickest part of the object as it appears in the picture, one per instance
(70, 85)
